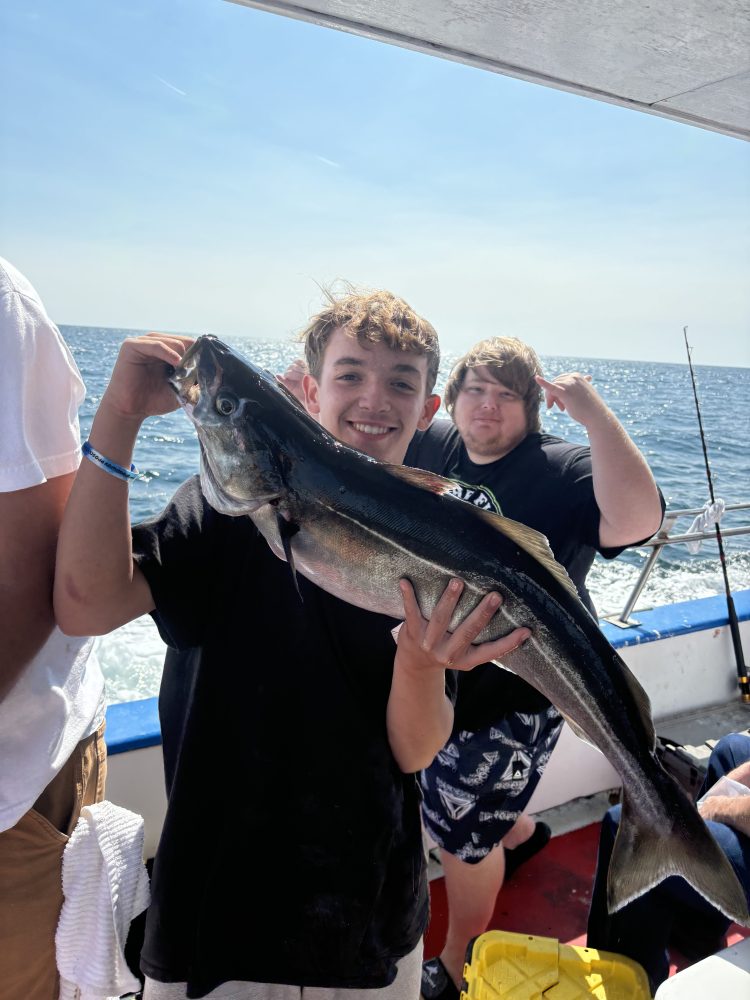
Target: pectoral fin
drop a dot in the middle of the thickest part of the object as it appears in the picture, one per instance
(287, 530)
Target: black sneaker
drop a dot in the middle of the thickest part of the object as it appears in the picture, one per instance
(436, 982)
(517, 856)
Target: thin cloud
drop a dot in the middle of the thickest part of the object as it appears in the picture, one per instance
(171, 86)
(331, 163)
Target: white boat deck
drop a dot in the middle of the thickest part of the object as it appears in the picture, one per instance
(724, 976)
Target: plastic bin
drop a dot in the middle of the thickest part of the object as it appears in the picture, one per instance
(525, 967)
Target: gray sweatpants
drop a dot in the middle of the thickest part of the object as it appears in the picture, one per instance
(405, 986)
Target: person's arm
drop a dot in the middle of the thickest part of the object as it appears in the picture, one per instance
(97, 585)
(624, 487)
(419, 716)
(733, 810)
(30, 519)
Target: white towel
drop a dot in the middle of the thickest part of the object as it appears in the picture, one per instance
(105, 885)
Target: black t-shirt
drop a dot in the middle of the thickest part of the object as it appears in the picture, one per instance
(291, 849)
(544, 482)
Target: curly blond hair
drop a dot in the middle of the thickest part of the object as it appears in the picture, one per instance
(372, 317)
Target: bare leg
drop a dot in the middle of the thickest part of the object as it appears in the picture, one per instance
(472, 891)
(520, 832)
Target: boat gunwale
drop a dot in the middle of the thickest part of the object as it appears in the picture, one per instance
(133, 725)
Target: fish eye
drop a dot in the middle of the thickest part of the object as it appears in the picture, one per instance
(226, 403)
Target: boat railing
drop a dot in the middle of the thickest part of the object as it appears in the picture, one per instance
(663, 538)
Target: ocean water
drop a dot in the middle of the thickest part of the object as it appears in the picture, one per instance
(653, 401)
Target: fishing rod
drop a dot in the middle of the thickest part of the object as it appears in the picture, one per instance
(734, 627)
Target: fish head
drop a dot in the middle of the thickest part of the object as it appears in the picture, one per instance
(232, 403)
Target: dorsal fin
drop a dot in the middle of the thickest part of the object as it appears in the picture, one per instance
(531, 541)
(425, 480)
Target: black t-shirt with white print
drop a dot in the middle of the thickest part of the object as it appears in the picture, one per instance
(545, 483)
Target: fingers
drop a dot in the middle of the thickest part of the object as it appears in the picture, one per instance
(562, 383)
(551, 392)
(499, 648)
(457, 649)
(412, 613)
(295, 372)
(138, 387)
(437, 626)
(443, 613)
(157, 347)
(714, 806)
(476, 622)
(555, 391)
(552, 399)
(292, 379)
(173, 347)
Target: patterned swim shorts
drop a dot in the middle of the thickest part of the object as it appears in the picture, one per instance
(480, 783)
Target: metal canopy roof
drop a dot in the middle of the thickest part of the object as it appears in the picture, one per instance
(683, 59)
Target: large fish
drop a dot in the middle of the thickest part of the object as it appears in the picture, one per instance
(355, 526)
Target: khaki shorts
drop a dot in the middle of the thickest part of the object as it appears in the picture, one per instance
(31, 873)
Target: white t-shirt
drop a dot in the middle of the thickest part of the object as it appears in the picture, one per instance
(59, 698)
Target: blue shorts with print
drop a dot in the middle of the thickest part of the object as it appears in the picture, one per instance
(480, 783)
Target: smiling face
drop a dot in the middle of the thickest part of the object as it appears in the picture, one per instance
(490, 417)
(371, 396)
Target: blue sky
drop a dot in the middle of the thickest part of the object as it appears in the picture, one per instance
(204, 167)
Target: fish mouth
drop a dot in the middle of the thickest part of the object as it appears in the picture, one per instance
(197, 377)
(184, 379)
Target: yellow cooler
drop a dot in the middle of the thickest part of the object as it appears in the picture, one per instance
(525, 967)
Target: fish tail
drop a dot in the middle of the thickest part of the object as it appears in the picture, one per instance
(643, 856)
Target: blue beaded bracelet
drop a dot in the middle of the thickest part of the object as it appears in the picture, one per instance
(107, 465)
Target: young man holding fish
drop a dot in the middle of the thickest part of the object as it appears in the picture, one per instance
(292, 725)
(584, 500)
